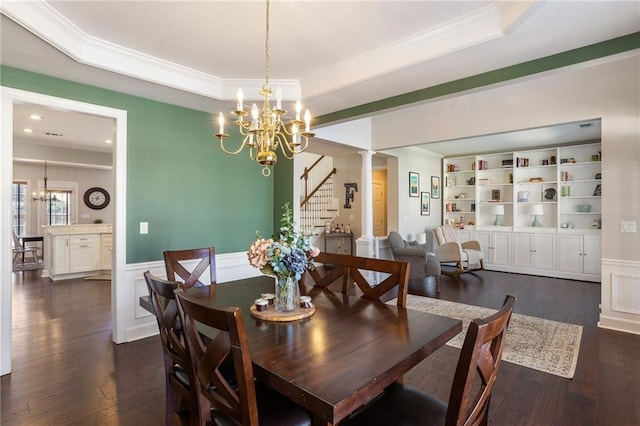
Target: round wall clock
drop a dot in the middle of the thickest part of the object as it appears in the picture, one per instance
(96, 198)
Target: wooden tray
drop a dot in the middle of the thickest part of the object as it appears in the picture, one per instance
(272, 315)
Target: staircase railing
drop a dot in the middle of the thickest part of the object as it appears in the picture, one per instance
(317, 206)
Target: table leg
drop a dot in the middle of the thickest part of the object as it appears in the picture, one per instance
(317, 421)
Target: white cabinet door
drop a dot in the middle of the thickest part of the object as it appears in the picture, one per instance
(545, 252)
(60, 255)
(484, 238)
(570, 253)
(591, 254)
(84, 253)
(523, 250)
(84, 257)
(463, 235)
(106, 244)
(501, 243)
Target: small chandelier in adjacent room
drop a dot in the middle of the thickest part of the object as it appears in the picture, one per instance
(43, 194)
(267, 130)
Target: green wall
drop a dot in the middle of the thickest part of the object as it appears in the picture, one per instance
(178, 179)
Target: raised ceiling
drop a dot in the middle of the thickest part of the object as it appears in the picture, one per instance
(336, 54)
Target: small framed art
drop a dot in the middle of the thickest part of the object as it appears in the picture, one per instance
(414, 184)
(435, 186)
(425, 203)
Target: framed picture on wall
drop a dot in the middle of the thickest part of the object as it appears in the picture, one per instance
(435, 186)
(414, 184)
(425, 204)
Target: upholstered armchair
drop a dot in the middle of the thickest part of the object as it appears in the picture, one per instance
(422, 263)
(466, 256)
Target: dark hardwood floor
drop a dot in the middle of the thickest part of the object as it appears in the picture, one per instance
(66, 370)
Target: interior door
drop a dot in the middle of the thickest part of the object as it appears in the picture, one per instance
(379, 203)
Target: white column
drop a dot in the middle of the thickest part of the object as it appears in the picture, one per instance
(365, 244)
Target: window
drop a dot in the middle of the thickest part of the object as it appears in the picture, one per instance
(18, 207)
(58, 207)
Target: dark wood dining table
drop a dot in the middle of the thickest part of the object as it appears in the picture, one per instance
(24, 239)
(336, 360)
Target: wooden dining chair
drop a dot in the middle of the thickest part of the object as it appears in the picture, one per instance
(473, 382)
(181, 399)
(175, 261)
(249, 403)
(347, 269)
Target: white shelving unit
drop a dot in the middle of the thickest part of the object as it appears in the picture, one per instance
(561, 180)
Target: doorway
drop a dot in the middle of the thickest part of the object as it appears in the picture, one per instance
(379, 182)
(9, 98)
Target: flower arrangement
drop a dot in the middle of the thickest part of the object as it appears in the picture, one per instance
(286, 254)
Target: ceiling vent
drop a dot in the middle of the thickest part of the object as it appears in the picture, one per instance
(53, 134)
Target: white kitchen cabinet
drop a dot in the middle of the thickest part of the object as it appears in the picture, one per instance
(60, 255)
(106, 245)
(84, 253)
(74, 251)
(536, 251)
(579, 254)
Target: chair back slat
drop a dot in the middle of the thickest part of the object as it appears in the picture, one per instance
(174, 264)
(478, 366)
(207, 358)
(350, 268)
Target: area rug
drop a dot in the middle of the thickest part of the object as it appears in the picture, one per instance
(537, 343)
(28, 265)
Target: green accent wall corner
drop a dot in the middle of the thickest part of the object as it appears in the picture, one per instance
(178, 179)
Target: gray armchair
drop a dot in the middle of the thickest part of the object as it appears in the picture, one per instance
(422, 263)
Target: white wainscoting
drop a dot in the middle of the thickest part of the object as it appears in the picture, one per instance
(140, 323)
(620, 308)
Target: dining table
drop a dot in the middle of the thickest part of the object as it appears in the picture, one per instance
(334, 361)
(24, 239)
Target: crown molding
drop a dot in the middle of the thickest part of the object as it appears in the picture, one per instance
(45, 22)
(475, 28)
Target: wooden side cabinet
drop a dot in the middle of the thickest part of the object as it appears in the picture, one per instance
(338, 242)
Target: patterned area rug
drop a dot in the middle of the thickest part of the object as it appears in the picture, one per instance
(28, 265)
(537, 343)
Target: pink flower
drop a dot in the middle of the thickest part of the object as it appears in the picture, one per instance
(257, 253)
(314, 252)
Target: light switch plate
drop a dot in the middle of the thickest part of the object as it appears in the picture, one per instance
(627, 226)
(144, 227)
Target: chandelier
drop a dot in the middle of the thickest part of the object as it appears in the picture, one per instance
(267, 131)
(43, 194)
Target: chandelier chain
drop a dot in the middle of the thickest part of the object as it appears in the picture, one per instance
(266, 50)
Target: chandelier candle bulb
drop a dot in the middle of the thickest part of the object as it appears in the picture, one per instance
(221, 123)
(307, 121)
(298, 109)
(240, 99)
(278, 99)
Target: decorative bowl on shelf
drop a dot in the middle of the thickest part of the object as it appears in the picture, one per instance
(584, 208)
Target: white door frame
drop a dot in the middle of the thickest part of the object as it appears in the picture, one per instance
(8, 97)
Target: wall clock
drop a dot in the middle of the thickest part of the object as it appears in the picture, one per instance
(96, 198)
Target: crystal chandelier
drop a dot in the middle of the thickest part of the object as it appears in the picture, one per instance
(267, 130)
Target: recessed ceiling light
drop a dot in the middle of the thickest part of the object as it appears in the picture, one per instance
(27, 130)
(35, 117)
(108, 141)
